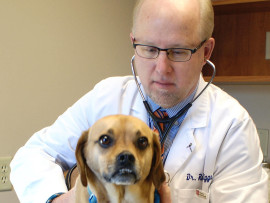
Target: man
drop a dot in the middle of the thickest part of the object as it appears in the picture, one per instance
(212, 152)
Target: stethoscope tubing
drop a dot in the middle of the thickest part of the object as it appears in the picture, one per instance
(171, 120)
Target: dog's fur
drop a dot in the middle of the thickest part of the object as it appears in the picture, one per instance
(119, 159)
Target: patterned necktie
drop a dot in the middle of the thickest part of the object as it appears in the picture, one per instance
(160, 114)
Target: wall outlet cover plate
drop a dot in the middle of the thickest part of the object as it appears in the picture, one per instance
(5, 184)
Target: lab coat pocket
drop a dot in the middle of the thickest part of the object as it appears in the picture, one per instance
(190, 196)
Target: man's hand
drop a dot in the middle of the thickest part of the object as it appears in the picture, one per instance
(68, 197)
(165, 193)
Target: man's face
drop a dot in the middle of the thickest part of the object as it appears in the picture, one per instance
(166, 82)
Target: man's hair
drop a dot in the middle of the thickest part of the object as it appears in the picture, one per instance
(136, 10)
(206, 17)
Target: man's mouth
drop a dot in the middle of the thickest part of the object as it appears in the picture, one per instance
(163, 84)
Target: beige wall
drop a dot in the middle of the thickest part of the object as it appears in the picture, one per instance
(51, 53)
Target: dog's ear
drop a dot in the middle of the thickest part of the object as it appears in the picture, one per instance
(86, 173)
(157, 170)
(81, 161)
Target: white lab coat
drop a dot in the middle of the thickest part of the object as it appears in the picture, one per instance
(215, 156)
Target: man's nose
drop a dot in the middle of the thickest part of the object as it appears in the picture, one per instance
(163, 64)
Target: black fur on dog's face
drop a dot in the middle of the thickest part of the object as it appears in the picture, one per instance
(121, 150)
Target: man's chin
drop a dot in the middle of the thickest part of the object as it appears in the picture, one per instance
(165, 100)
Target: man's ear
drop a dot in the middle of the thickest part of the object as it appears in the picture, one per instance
(208, 48)
(81, 161)
(132, 38)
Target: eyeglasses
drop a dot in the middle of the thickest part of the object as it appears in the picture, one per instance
(174, 54)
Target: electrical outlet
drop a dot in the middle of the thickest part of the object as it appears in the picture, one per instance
(5, 183)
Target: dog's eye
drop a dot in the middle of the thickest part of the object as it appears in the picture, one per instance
(105, 141)
(142, 142)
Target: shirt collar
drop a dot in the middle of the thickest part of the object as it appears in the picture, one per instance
(175, 109)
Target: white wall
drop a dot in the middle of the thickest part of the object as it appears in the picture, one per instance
(51, 53)
(256, 99)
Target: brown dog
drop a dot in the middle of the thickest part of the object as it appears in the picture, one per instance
(119, 159)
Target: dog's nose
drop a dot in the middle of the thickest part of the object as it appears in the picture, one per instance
(125, 158)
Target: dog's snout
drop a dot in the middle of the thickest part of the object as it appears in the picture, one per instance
(125, 158)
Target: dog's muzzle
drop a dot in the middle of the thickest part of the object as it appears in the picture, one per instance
(124, 172)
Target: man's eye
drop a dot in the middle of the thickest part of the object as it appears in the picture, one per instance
(150, 49)
(176, 52)
(142, 143)
(105, 141)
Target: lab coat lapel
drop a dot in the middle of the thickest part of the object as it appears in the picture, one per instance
(138, 109)
(198, 113)
(132, 103)
(184, 143)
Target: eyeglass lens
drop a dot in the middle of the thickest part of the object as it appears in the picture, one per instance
(175, 54)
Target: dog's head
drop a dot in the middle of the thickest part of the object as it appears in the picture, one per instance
(121, 150)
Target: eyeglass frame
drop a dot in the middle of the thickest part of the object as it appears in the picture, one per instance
(193, 51)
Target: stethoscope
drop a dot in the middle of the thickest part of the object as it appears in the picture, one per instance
(169, 121)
